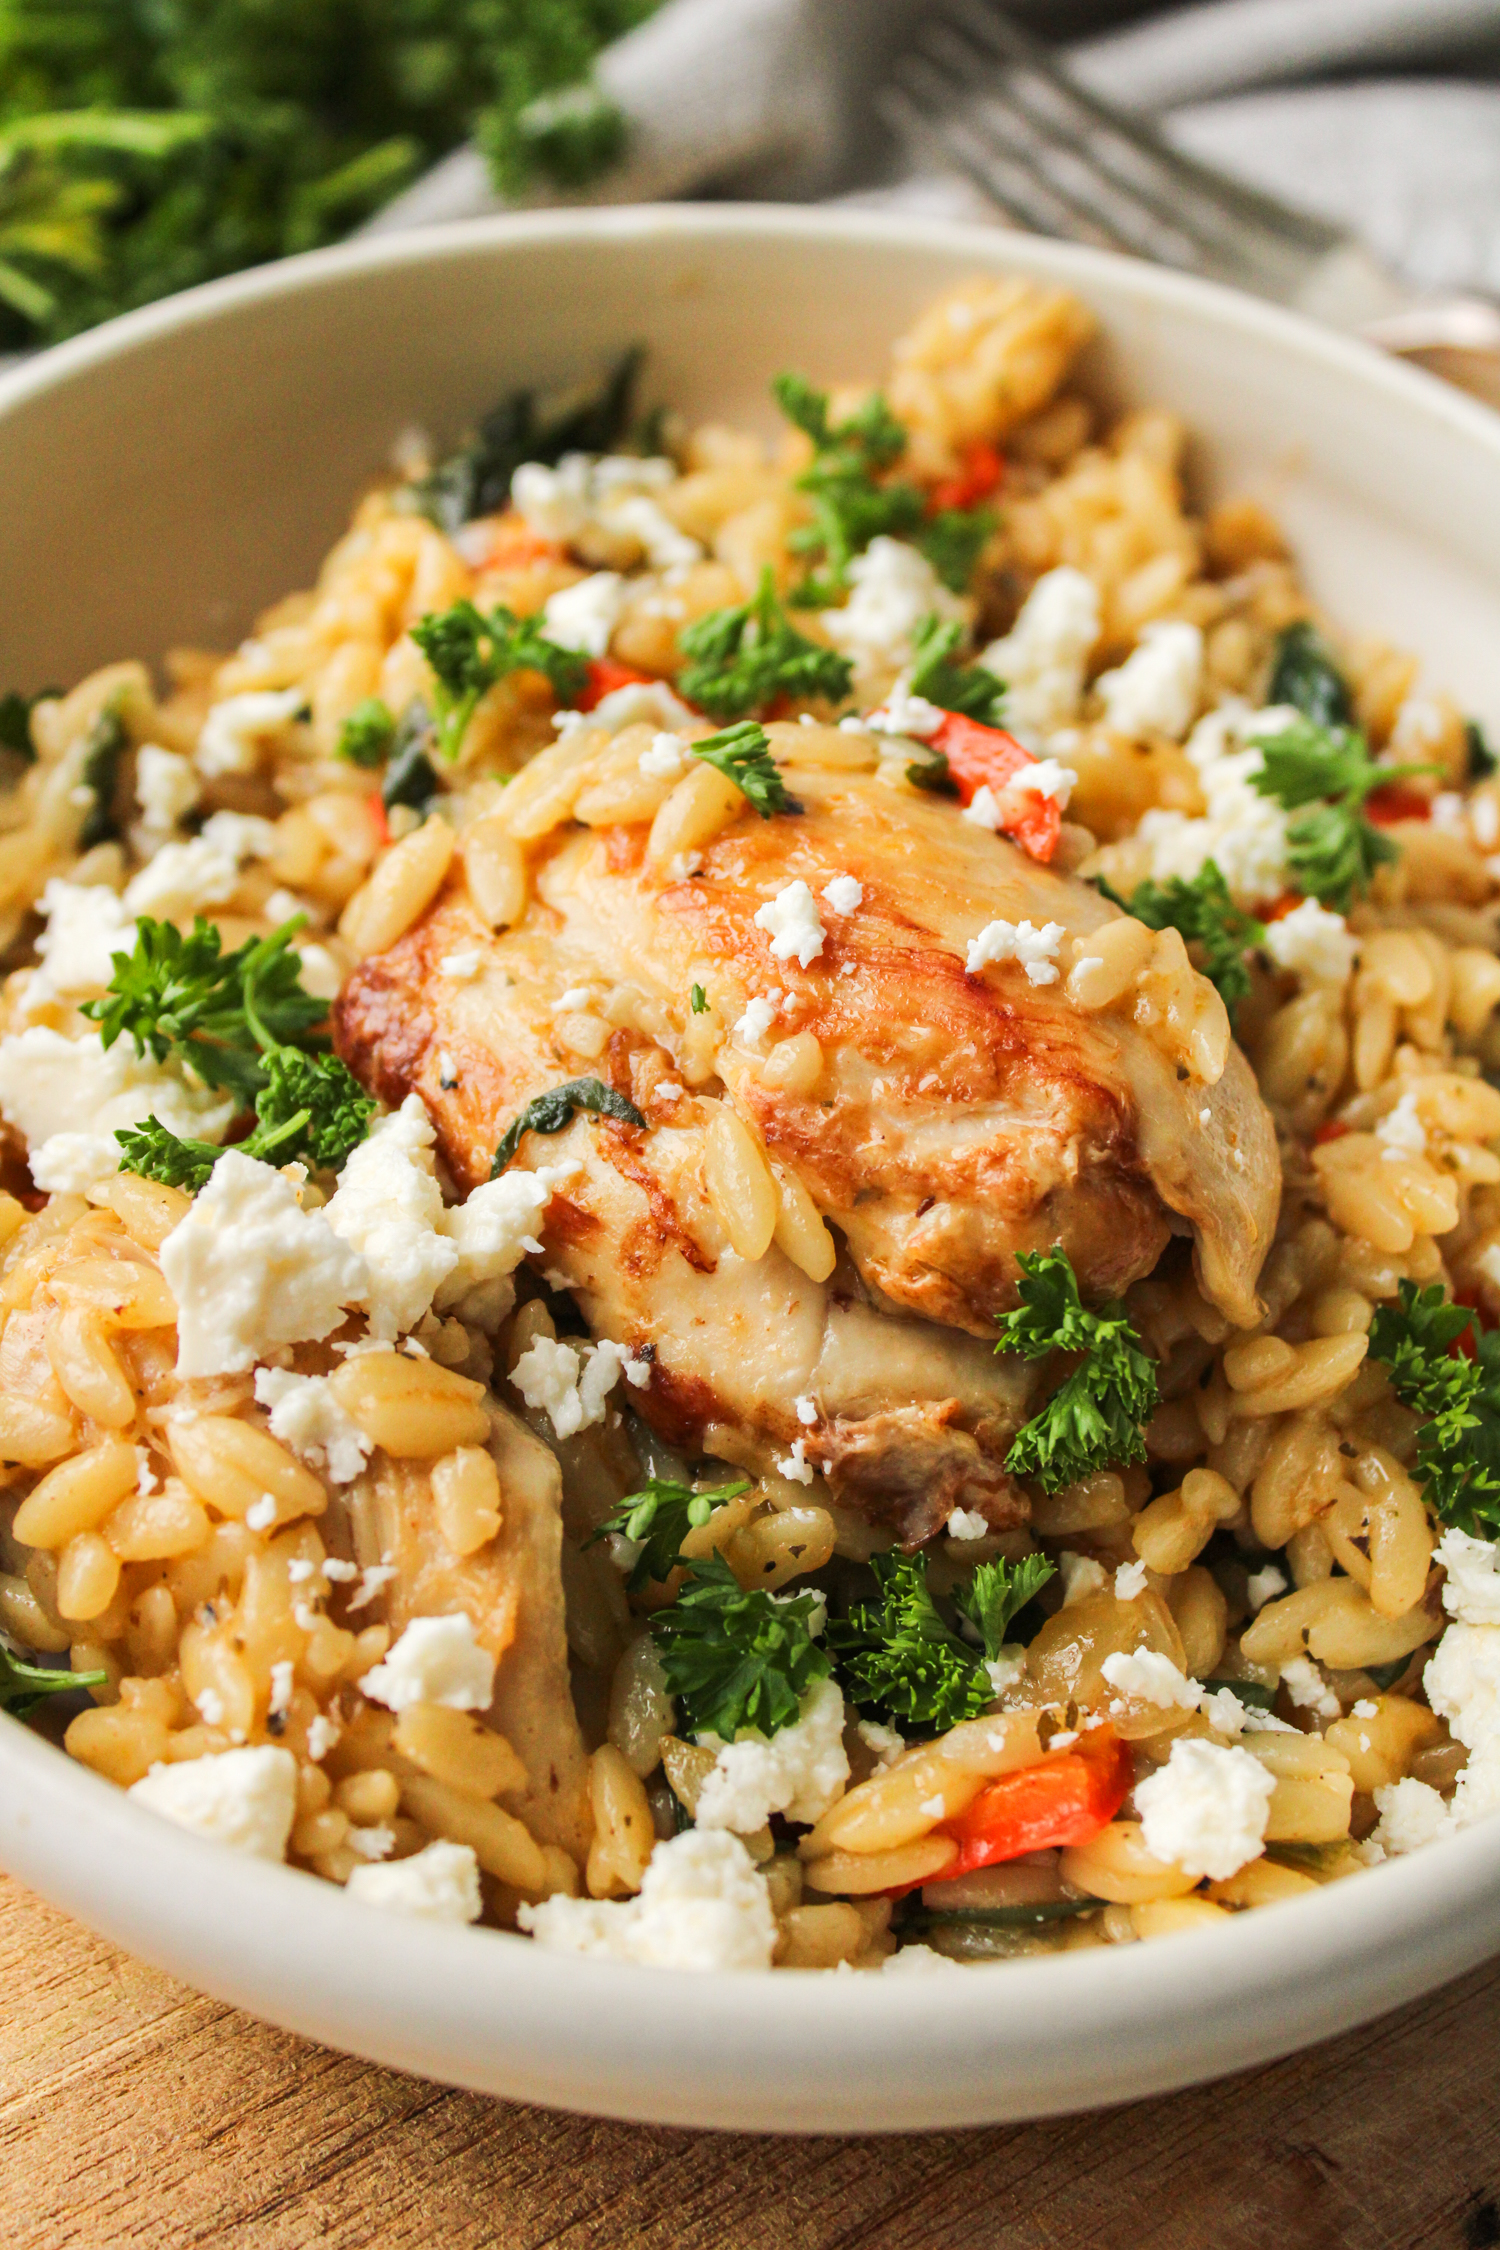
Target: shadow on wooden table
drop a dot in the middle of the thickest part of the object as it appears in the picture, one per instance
(132, 2112)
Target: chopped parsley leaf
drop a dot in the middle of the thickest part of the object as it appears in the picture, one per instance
(1217, 933)
(901, 1657)
(660, 1516)
(849, 507)
(1480, 759)
(743, 659)
(1304, 674)
(23, 1686)
(1094, 1419)
(700, 1000)
(411, 778)
(153, 1152)
(100, 775)
(469, 652)
(1324, 774)
(553, 1111)
(743, 755)
(953, 540)
(735, 1659)
(967, 688)
(311, 1111)
(366, 736)
(1458, 1400)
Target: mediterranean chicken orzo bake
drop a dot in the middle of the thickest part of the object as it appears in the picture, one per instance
(753, 1205)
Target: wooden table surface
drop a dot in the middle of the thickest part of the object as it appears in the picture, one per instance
(133, 2112)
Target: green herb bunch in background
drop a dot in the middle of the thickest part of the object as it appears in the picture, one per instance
(146, 145)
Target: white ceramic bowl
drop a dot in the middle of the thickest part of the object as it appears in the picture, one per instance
(163, 476)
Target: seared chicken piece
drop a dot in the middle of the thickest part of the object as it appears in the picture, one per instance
(942, 1122)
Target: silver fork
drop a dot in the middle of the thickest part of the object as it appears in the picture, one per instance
(978, 94)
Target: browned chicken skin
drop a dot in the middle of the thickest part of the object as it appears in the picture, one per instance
(953, 1120)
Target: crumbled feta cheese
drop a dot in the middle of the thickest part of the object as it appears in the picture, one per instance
(388, 1207)
(490, 1233)
(250, 1270)
(791, 921)
(702, 1905)
(984, 810)
(320, 973)
(436, 1660)
(307, 1416)
(281, 1688)
(235, 730)
(1044, 778)
(967, 1523)
(1308, 1689)
(166, 787)
(1401, 1132)
(795, 1465)
(894, 589)
(371, 1843)
(568, 1383)
(1411, 1815)
(1242, 832)
(798, 1771)
(1314, 943)
(1043, 657)
(603, 505)
(664, 546)
(1418, 728)
(884, 1742)
(905, 714)
(751, 1027)
(462, 967)
(48, 1082)
(1035, 949)
(1462, 1680)
(371, 1581)
(74, 1163)
(182, 879)
(845, 894)
(1206, 1809)
(242, 836)
(440, 1883)
(1130, 1581)
(1263, 1586)
(85, 925)
(582, 617)
(666, 758)
(1081, 1576)
(1006, 1670)
(1156, 689)
(261, 1513)
(805, 1409)
(244, 1798)
(1484, 819)
(914, 1960)
(638, 703)
(1471, 1591)
(322, 1734)
(1147, 1676)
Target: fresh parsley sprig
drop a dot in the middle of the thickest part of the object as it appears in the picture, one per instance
(899, 1655)
(1324, 774)
(743, 755)
(475, 480)
(23, 1686)
(1458, 1400)
(366, 736)
(469, 652)
(953, 541)
(735, 1659)
(183, 999)
(1218, 934)
(311, 1110)
(744, 659)
(154, 1152)
(937, 678)
(553, 1111)
(849, 506)
(1094, 1420)
(660, 1516)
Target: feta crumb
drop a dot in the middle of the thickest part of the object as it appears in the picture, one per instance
(1314, 943)
(1206, 1809)
(894, 589)
(235, 730)
(967, 1523)
(1147, 1676)
(146, 1479)
(85, 925)
(1263, 1586)
(48, 1082)
(250, 1270)
(490, 1232)
(884, 1742)
(1365, 1708)
(244, 1798)
(436, 1660)
(1471, 1591)
(1130, 1581)
(1243, 832)
(798, 1771)
(371, 1582)
(1043, 658)
(702, 1905)
(322, 1734)
(1006, 1670)
(844, 894)
(750, 1029)
(1401, 1132)
(914, 1960)
(1081, 1576)
(1035, 949)
(388, 1207)
(261, 1513)
(242, 836)
(903, 713)
(1411, 1815)
(582, 617)
(461, 966)
(338, 1572)
(668, 758)
(568, 1384)
(791, 920)
(1156, 689)
(300, 1569)
(321, 974)
(166, 787)
(1044, 778)
(1462, 1681)
(281, 1687)
(371, 1843)
(437, 1884)
(74, 1163)
(805, 1409)
(1308, 1689)
(795, 1465)
(306, 1415)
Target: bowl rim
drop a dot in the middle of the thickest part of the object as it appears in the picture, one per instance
(615, 2038)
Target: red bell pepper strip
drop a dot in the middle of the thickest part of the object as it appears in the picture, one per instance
(982, 757)
(1384, 807)
(513, 544)
(376, 804)
(605, 675)
(1287, 902)
(979, 478)
(1065, 1799)
(1332, 1129)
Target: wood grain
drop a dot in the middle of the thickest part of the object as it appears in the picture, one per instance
(133, 2113)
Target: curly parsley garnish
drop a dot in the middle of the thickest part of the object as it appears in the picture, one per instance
(183, 999)
(953, 541)
(849, 506)
(1458, 1400)
(1218, 934)
(735, 1659)
(23, 1686)
(967, 688)
(366, 736)
(469, 652)
(1324, 774)
(660, 1516)
(744, 659)
(1095, 1419)
(900, 1656)
(553, 1111)
(743, 755)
